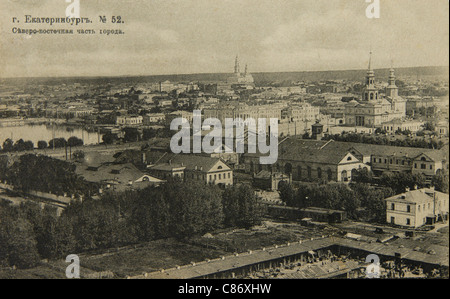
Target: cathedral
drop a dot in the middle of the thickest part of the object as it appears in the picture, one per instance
(372, 110)
(238, 77)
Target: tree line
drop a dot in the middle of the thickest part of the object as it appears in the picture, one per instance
(20, 145)
(360, 201)
(383, 140)
(399, 181)
(33, 172)
(175, 209)
(135, 135)
(366, 193)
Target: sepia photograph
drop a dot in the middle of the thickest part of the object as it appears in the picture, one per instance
(245, 142)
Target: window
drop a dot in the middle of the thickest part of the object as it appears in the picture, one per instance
(393, 220)
(418, 207)
(349, 158)
(392, 206)
(408, 209)
(431, 166)
(408, 221)
(415, 165)
(423, 166)
(229, 175)
(220, 176)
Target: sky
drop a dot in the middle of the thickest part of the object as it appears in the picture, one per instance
(204, 36)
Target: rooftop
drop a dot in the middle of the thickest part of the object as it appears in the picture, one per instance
(417, 196)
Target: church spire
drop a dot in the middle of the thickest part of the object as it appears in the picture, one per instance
(236, 65)
(392, 89)
(245, 70)
(370, 92)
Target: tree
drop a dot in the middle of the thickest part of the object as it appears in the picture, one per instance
(363, 175)
(18, 243)
(74, 141)
(42, 173)
(79, 155)
(176, 209)
(29, 145)
(287, 194)
(109, 138)
(19, 146)
(429, 126)
(42, 144)
(440, 182)
(241, 207)
(8, 145)
(57, 143)
(399, 181)
(195, 209)
(131, 135)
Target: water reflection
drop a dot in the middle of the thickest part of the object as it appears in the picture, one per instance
(36, 133)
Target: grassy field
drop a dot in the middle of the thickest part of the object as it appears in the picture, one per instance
(156, 255)
(40, 272)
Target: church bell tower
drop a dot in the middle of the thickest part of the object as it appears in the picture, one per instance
(370, 93)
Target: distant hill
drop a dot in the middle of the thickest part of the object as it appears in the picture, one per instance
(352, 75)
(260, 78)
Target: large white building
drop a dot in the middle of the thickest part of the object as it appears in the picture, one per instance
(417, 207)
(129, 120)
(372, 110)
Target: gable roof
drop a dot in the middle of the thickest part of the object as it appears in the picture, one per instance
(313, 151)
(188, 161)
(417, 196)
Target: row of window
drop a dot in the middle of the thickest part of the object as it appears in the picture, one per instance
(220, 176)
(423, 166)
(391, 161)
(408, 208)
(402, 162)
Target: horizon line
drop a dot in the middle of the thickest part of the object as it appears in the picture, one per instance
(208, 73)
